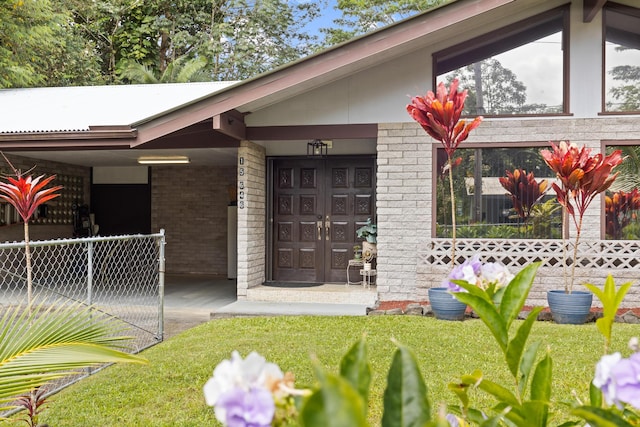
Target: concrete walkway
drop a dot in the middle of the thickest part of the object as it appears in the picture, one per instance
(191, 300)
(268, 308)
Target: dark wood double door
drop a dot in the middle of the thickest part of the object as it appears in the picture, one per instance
(317, 206)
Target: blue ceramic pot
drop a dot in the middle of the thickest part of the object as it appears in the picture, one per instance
(570, 308)
(445, 306)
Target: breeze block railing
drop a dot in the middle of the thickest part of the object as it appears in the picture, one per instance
(595, 260)
(121, 276)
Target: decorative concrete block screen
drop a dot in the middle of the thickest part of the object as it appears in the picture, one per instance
(596, 259)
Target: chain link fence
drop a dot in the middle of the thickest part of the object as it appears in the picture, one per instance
(121, 276)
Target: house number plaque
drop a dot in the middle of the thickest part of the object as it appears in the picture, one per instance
(241, 184)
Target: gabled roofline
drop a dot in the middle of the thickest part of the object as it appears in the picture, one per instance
(359, 53)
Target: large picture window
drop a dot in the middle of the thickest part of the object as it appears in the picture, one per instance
(516, 70)
(622, 58)
(484, 210)
(622, 200)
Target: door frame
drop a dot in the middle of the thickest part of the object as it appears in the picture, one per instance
(269, 211)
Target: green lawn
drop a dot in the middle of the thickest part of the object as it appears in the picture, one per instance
(168, 391)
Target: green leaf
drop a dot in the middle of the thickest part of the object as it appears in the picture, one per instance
(516, 293)
(405, 399)
(536, 413)
(541, 381)
(489, 315)
(496, 390)
(516, 346)
(595, 395)
(356, 369)
(461, 390)
(611, 300)
(526, 365)
(473, 290)
(598, 417)
(50, 341)
(334, 404)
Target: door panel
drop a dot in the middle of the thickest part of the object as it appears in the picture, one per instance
(317, 206)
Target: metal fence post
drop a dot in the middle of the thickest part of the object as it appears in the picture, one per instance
(161, 287)
(89, 273)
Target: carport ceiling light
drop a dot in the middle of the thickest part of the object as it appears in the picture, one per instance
(163, 160)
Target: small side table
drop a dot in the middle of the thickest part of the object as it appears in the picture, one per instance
(367, 277)
(358, 263)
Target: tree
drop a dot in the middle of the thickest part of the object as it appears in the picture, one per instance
(361, 16)
(182, 70)
(39, 46)
(236, 39)
(627, 94)
(493, 89)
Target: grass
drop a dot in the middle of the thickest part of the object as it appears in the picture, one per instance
(168, 391)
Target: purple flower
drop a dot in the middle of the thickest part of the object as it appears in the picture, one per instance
(468, 271)
(619, 379)
(456, 421)
(242, 408)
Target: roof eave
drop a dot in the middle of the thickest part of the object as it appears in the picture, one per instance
(96, 137)
(331, 62)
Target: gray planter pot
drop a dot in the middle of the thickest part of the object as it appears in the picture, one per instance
(570, 308)
(445, 306)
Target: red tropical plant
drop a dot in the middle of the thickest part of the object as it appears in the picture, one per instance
(524, 190)
(582, 177)
(25, 194)
(439, 115)
(620, 208)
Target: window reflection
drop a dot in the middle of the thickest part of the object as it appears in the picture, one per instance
(622, 59)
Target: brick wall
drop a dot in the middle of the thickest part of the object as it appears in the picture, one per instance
(251, 217)
(405, 199)
(15, 232)
(190, 204)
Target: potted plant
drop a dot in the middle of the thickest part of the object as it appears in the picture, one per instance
(357, 252)
(439, 115)
(582, 177)
(368, 232)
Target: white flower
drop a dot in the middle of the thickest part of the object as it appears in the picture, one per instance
(495, 272)
(252, 372)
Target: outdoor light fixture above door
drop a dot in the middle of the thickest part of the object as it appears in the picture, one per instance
(163, 160)
(317, 148)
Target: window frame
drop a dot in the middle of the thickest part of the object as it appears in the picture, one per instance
(473, 145)
(616, 8)
(604, 144)
(510, 36)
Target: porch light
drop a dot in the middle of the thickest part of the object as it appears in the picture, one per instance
(317, 148)
(163, 160)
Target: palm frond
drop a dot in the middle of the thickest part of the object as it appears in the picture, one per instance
(51, 341)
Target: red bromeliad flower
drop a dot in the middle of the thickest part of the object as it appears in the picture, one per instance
(582, 178)
(525, 191)
(26, 194)
(620, 209)
(439, 115)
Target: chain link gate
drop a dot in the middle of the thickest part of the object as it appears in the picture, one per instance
(121, 276)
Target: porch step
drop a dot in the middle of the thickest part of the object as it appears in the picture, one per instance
(323, 294)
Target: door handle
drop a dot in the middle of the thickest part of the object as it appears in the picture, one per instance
(319, 224)
(327, 226)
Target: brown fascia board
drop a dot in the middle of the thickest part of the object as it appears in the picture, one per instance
(277, 133)
(301, 75)
(95, 137)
